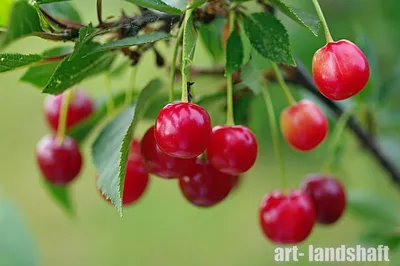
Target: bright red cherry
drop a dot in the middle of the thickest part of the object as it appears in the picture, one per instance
(159, 163)
(183, 130)
(80, 107)
(287, 219)
(232, 149)
(328, 195)
(135, 150)
(204, 186)
(136, 181)
(59, 163)
(304, 126)
(340, 70)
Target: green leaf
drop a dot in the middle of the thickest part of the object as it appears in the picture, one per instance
(381, 235)
(17, 246)
(234, 53)
(110, 149)
(62, 196)
(252, 72)
(189, 47)
(196, 3)
(39, 75)
(40, 2)
(157, 5)
(5, 6)
(74, 70)
(269, 37)
(86, 35)
(307, 20)
(372, 207)
(62, 11)
(132, 41)
(10, 62)
(24, 21)
(210, 35)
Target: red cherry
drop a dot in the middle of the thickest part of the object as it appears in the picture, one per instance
(136, 181)
(304, 126)
(204, 186)
(80, 107)
(340, 70)
(287, 219)
(328, 195)
(59, 163)
(135, 150)
(183, 130)
(159, 163)
(232, 149)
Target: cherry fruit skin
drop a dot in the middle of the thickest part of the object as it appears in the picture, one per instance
(340, 70)
(80, 107)
(205, 186)
(159, 163)
(287, 219)
(232, 149)
(59, 163)
(136, 181)
(329, 197)
(304, 126)
(183, 130)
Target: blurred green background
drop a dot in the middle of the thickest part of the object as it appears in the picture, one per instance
(164, 229)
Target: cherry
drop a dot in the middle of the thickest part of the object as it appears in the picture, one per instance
(80, 107)
(232, 149)
(183, 130)
(340, 70)
(204, 186)
(328, 195)
(59, 163)
(136, 181)
(304, 126)
(159, 163)
(135, 150)
(287, 219)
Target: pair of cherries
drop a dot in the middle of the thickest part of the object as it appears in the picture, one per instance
(60, 161)
(289, 219)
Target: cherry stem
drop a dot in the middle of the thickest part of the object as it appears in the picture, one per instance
(275, 134)
(230, 121)
(100, 11)
(110, 101)
(336, 137)
(62, 120)
(131, 88)
(185, 76)
(173, 63)
(283, 84)
(321, 17)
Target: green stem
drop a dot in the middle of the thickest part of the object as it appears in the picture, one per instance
(110, 101)
(230, 121)
(131, 88)
(321, 17)
(173, 63)
(185, 77)
(336, 137)
(62, 120)
(283, 84)
(275, 135)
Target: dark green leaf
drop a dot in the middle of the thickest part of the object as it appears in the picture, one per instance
(61, 195)
(189, 47)
(307, 20)
(62, 11)
(157, 5)
(234, 53)
(17, 246)
(269, 37)
(132, 41)
(24, 21)
(14, 61)
(210, 35)
(86, 35)
(110, 149)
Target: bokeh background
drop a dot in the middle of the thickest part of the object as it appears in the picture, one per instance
(164, 229)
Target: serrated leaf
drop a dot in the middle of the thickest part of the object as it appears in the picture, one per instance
(86, 35)
(110, 149)
(234, 53)
(132, 41)
(190, 40)
(307, 20)
(269, 37)
(10, 62)
(62, 11)
(72, 71)
(210, 35)
(157, 5)
(62, 196)
(5, 7)
(24, 21)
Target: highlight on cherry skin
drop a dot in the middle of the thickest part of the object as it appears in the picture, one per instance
(328, 195)
(304, 126)
(183, 130)
(80, 107)
(340, 70)
(287, 219)
(59, 163)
